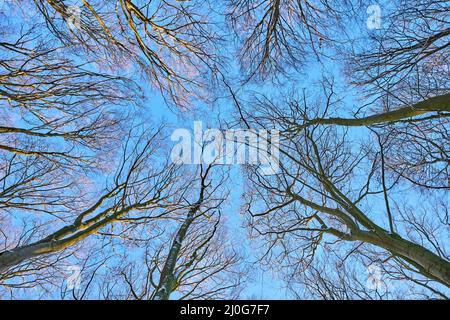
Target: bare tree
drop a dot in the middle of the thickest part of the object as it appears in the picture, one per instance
(277, 35)
(202, 264)
(174, 43)
(403, 67)
(364, 172)
(328, 189)
(187, 255)
(55, 109)
(137, 186)
(412, 41)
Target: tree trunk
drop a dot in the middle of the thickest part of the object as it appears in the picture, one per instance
(167, 281)
(435, 104)
(428, 263)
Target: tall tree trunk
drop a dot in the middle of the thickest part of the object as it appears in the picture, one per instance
(428, 263)
(167, 280)
(51, 244)
(435, 104)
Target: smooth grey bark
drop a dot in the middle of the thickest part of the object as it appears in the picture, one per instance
(69, 235)
(51, 244)
(428, 263)
(436, 104)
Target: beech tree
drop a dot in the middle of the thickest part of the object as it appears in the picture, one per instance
(196, 260)
(404, 118)
(326, 189)
(86, 180)
(277, 35)
(171, 42)
(184, 254)
(135, 187)
(64, 118)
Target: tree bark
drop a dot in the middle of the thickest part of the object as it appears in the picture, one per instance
(167, 281)
(428, 263)
(435, 104)
(50, 244)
